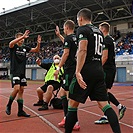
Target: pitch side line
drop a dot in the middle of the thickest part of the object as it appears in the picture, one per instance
(45, 120)
(101, 115)
(41, 117)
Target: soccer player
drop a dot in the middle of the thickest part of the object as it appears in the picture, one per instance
(108, 62)
(18, 63)
(69, 62)
(89, 75)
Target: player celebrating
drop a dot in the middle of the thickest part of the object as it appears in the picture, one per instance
(69, 62)
(108, 62)
(18, 63)
(89, 78)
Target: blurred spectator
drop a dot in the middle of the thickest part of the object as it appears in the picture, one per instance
(125, 46)
(47, 51)
(117, 35)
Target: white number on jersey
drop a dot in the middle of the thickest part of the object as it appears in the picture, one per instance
(98, 44)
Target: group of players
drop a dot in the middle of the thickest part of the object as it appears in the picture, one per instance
(89, 70)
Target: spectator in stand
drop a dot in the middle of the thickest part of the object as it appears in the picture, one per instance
(119, 47)
(47, 51)
(131, 42)
(127, 48)
(117, 35)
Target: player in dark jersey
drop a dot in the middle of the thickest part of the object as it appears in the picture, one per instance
(18, 66)
(89, 76)
(108, 62)
(69, 62)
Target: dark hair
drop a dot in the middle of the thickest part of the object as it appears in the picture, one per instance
(85, 13)
(70, 24)
(105, 25)
(18, 34)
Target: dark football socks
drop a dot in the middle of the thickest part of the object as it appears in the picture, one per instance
(112, 118)
(10, 101)
(71, 119)
(64, 104)
(113, 99)
(20, 105)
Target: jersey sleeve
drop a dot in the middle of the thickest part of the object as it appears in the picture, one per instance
(81, 34)
(46, 65)
(106, 43)
(67, 43)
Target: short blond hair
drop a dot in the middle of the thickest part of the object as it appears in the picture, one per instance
(70, 24)
(18, 34)
(105, 25)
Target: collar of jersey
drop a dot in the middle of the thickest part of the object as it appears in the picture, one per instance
(89, 24)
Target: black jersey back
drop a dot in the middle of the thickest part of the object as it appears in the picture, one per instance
(95, 41)
(18, 59)
(70, 42)
(109, 44)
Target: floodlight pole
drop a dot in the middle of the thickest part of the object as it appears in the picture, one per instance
(3, 10)
(29, 1)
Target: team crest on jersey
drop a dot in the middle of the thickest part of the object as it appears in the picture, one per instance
(66, 43)
(80, 36)
(74, 39)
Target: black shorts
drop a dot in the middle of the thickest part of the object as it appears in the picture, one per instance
(109, 77)
(68, 76)
(55, 84)
(18, 79)
(93, 75)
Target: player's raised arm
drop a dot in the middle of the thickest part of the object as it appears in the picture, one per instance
(19, 38)
(37, 48)
(57, 31)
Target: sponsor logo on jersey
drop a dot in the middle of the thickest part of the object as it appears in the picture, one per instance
(24, 50)
(74, 39)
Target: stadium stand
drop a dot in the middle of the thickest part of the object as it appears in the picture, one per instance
(4, 54)
(47, 51)
(125, 46)
(41, 17)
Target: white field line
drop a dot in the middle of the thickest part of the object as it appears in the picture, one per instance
(100, 116)
(41, 117)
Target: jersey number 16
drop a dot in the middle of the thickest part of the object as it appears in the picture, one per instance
(98, 44)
